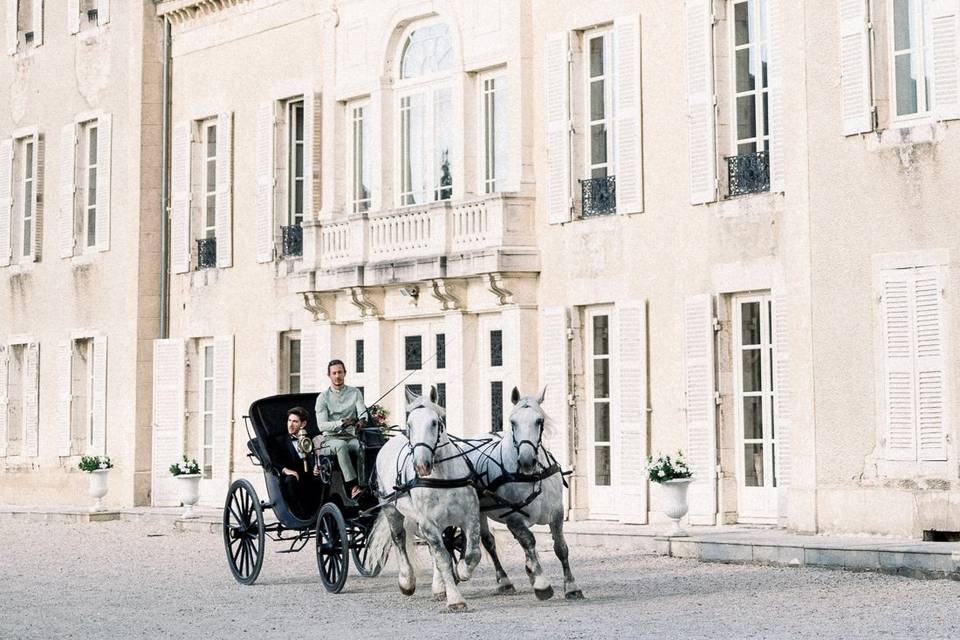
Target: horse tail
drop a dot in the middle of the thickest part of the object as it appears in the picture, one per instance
(378, 542)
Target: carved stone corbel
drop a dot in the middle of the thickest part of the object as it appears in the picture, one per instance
(495, 286)
(313, 303)
(362, 299)
(444, 292)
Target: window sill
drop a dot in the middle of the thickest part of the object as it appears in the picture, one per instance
(204, 277)
(748, 204)
(21, 267)
(905, 134)
(83, 259)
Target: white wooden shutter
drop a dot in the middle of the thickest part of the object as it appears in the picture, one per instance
(266, 180)
(312, 121)
(781, 387)
(11, 27)
(103, 12)
(4, 398)
(775, 36)
(64, 398)
(224, 224)
(554, 358)
(856, 106)
(698, 371)
(68, 186)
(36, 196)
(701, 117)
(632, 334)
(180, 206)
(309, 359)
(899, 393)
(98, 439)
(223, 409)
(73, 16)
(945, 36)
(104, 169)
(6, 199)
(629, 128)
(31, 400)
(37, 23)
(930, 364)
(557, 60)
(169, 405)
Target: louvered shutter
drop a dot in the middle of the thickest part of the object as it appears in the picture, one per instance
(169, 405)
(945, 36)
(781, 388)
(629, 129)
(266, 121)
(104, 169)
(68, 185)
(309, 359)
(6, 199)
(11, 27)
(37, 23)
(103, 12)
(855, 99)
(312, 120)
(64, 398)
(224, 223)
(73, 16)
(558, 198)
(31, 400)
(180, 208)
(36, 196)
(701, 118)
(554, 358)
(899, 393)
(775, 36)
(223, 410)
(98, 440)
(632, 332)
(274, 361)
(930, 364)
(698, 371)
(4, 398)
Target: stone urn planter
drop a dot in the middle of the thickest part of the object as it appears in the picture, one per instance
(675, 492)
(189, 484)
(98, 488)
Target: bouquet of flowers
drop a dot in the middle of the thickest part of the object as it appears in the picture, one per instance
(665, 468)
(378, 416)
(95, 463)
(184, 467)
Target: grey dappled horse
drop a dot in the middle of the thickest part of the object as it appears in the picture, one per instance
(426, 457)
(521, 456)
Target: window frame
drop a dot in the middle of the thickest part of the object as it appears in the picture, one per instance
(608, 77)
(286, 372)
(925, 52)
(87, 172)
(23, 248)
(81, 355)
(208, 166)
(761, 92)
(357, 168)
(490, 374)
(205, 349)
(292, 145)
(488, 183)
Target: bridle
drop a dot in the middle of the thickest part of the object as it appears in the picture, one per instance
(436, 444)
(536, 445)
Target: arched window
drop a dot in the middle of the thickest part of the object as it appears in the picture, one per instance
(426, 115)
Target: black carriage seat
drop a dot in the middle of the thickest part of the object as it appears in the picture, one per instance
(259, 452)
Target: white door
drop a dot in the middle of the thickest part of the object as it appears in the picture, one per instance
(601, 424)
(753, 384)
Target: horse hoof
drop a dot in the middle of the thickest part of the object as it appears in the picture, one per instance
(458, 607)
(506, 589)
(407, 592)
(544, 594)
(575, 595)
(440, 597)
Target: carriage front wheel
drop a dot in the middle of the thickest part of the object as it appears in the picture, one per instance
(243, 532)
(365, 564)
(333, 548)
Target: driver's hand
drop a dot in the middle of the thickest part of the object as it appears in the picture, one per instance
(363, 423)
(349, 422)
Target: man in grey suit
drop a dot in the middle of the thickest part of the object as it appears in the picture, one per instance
(340, 411)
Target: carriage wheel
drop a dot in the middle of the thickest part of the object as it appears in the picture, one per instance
(361, 554)
(454, 542)
(243, 532)
(333, 548)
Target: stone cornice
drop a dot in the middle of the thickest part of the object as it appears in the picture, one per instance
(181, 11)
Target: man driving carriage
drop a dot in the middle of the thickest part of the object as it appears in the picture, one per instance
(340, 411)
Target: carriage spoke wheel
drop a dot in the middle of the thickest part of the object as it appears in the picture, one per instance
(454, 542)
(361, 554)
(333, 548)
(243, 532)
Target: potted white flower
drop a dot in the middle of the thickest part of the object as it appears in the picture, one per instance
(97, 467)
(675, 477)
(187, 473)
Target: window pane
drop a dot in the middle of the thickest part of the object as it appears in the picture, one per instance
(764, 57)
(903, 37)
(208, 362)
(211, 176)
(496, 406)
(358, 356)
(597, 110)
(601, 458)
(745, 148)
(753, 465)
(208, 394)
(601, 378)
(745, 79)
(92, 146)
(442, 394)
(413, 353)
(442, 138)
(596, 57)
(601, 344)
(741, 23)
(598, 144)
(92, 187)
(295, 384)
(750, 323)
(906, 85)
(211, 141)
(27, 237)
(746, 117)
(751, 370)
(413, 145)
(496, 348)
(441, 351)
(91, 227)
(28, 165)
(601, 422)
(753, 418)
(295, 356)
(427, 50)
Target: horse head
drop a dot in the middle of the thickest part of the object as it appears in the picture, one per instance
(424, 429)
(527, 421)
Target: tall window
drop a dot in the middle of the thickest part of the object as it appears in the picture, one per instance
(426, 116)
(209, 180)
(599, 394)
(912, 57)
(28, 29)
(206, 410)
(291, 363)
(81, 401)
(752, 131)
(599, 90)
(88, 182)
(360, 160)
(358, 366)
(16, 386)
(492, 373)
(295, 162)
(25, 197)
(494, 133)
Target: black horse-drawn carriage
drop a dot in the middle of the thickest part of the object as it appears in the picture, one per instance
(339, 524)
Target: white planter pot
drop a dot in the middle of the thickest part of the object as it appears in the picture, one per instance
(675, 492)
(98, 488)
(189, 492)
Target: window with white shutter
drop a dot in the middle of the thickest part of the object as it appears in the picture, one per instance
(27, 218)
(266, 180)
(700, 406)
(180, 170)
(5, 352)
(6, 200)
(63, 421)
(701, 118)
(169, 407)
(24, 25)
(223, 353)
(98, 433)
(294, 173)
(22, 370)
(291, 359)
(31, 400)
(856, 101)
(629, 121)
(224, 190)
(557, 102)
(85, 186)
(554, 367)
(86, 14)
(631, 318)
(67, 191)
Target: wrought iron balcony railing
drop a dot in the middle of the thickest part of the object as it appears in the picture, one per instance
(206, 253)
(292, 240)
(748, 173)
(599, 196)
(92, 15)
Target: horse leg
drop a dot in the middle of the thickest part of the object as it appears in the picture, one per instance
(570, 589)
(438, 588)
(407, 577)
(541, 586)
(490, 544)
(444, 565)
(471, 551)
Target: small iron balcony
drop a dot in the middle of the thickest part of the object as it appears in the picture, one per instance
(599, 196)
(206, 253)
(292, 241)
(748, 173)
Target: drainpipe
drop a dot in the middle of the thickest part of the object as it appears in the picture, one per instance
(165, 186)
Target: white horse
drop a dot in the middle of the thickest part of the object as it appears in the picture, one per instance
(432, 486)
(521, 485)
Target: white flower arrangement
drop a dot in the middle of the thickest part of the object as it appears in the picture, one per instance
(94, 463)
(665, 468)
(185, 467)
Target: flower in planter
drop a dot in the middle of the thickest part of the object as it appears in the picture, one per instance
(184, 467)
(94, 463)
(666, 468)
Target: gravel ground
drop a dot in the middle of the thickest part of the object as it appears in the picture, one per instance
(133, 580)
